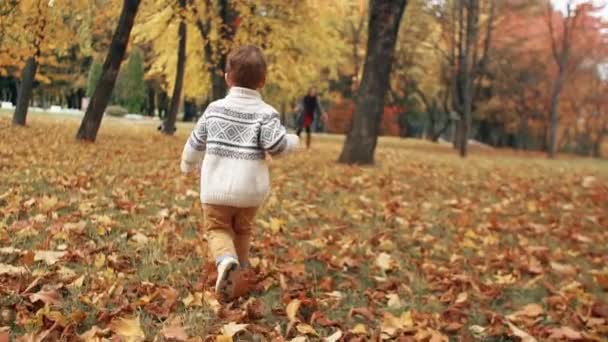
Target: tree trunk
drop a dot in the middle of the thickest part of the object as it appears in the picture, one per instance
(554, 118)
(99, 101)
(189, 111)
(169, 126)
(467, 68)
(384, 20)
(28, 76)
(150, 100)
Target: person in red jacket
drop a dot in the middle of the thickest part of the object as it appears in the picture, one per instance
(309, 107)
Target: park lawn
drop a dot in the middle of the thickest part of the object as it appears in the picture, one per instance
(106, 238)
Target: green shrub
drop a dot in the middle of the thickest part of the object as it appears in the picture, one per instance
(116, 111)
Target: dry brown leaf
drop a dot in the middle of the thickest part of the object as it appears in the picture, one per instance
(565, 333)
(94, 334)
(51, 297)
(128, 328)
(175, 331)
(394, 302)
(532, 310)
(462, 298)
(386, 262)
(12, 270)
(49, 257)
(335, 337)
(563, 269)
(524, 336)
(233, 328)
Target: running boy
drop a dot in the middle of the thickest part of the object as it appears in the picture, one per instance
(234, 135)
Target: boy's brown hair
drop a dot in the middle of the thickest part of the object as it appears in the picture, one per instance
(246, 67)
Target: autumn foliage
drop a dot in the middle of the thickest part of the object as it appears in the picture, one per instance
(341, 114)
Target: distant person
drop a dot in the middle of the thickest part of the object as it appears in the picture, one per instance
(234, 134)
(309, 108)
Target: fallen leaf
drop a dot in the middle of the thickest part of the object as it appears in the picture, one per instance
(292, 309)
(453, 327)
(94, 334)
(394, 301)
(140, 239)
(525, 337)
(531, 311)
(478, 331)
(563, 269)
(600, 309)
(128, 328)
(365, 312)
(233, 328)
(12, 270)
(48, 203)
(275, 225)
(77, 283)
(602, 281)
(51, 297)
(49, 257)
(303, 328)
(174, 330)
(462, 298)
(359, 329)
(75, 227)
(299, 339)
(588, 181)
(386, 262)
(391, 324)
(565, 333)
(334, 337)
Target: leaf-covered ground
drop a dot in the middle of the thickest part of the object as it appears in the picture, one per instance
(104, 240)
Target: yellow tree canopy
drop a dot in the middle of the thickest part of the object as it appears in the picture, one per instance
(299, 38)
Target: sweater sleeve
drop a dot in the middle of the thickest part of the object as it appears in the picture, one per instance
(274, 138)
(194, 150)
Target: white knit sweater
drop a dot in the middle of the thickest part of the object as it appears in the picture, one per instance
(233, 135)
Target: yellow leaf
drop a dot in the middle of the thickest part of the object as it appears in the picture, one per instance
(292, 309)
(406, 319)
(223, 338)
(303, 328)
(48, 203)
(276, 224)
(100, 260)
(359, 329)
(128, 328)
(211, 300)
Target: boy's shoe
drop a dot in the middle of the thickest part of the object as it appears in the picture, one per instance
(227, 272)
